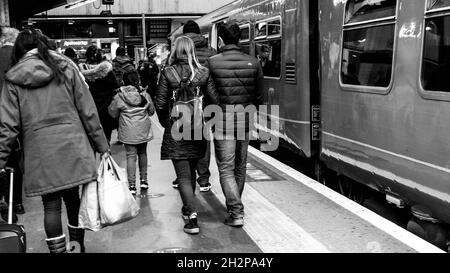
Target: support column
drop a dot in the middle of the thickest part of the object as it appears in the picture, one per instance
(4, 13)
(144, 36)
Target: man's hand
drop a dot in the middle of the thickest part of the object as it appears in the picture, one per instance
(106, 154)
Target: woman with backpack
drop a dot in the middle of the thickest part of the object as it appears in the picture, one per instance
(133, 107)
(184, 70)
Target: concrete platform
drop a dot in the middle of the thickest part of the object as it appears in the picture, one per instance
(285, 212)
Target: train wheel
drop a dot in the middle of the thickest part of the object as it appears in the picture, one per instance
(434, 233)
(351, 189)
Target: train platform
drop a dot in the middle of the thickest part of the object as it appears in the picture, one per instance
(285, 212)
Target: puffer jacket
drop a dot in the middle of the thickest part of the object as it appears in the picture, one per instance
(134, 109)
(122, 65)
(239, 80)
(103, 85)
(58, 122)
(183, 149)
(204, 52)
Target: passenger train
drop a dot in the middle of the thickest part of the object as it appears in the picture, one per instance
(363, 88)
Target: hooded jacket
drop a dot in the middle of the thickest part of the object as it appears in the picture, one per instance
(103, 85)
(183, 149)
(58, 122)
(121, 65)
(134, 109)
(204, 52)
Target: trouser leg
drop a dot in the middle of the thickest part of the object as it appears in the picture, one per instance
(240, 170)
(203, 166)
(143, 161)
(185, 170)
(131, 151)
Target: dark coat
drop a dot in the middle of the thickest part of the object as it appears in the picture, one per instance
(183, 149)
(239, 80)
(5, 62)
(103, 86)
(204, 52)
(58, 123)
(122, 65)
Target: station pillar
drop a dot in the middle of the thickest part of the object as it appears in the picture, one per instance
(4, 13)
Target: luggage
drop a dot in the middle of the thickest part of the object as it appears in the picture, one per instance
(12, 237)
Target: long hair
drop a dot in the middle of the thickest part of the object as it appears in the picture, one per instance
(30, 39)
(184, 47)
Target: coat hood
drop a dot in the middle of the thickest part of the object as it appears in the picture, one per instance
(198, 39)
(121, 60)
(130, 95)
(32, 72)
(96, 72)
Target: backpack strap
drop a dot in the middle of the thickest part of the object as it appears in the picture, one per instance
(174, 73)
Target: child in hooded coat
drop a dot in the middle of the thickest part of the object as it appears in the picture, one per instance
(134, 109)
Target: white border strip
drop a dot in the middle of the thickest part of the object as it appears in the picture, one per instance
(390, 228)
(388, 152)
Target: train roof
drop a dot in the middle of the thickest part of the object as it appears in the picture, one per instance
(222, 12)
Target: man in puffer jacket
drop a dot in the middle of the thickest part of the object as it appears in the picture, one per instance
(134, 109)
(239, 81)
(204, 52)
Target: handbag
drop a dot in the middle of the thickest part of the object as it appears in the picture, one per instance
(89, 214)
(186, 98)
(116, 203)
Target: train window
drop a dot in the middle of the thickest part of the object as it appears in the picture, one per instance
(245, 33)
(269, 55)
(261, 30)
(436, 55)
(363, 10)
(245, 48)
(274, 27)
(367, 56)
(438, 4)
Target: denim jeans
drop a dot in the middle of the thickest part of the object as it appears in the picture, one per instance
(135, 152)
(231, 156)
(185, 170)
(203, 167)
(52, 210)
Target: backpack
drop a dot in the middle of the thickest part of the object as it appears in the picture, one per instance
(121, 70)
(186, 97)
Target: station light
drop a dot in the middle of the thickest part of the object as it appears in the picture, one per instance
(71, 22)
(79, 3)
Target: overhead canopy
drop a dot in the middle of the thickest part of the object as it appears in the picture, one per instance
(23, 9)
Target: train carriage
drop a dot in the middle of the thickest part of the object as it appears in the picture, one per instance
(362, 87)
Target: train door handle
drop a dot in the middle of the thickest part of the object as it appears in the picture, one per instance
(271, 94)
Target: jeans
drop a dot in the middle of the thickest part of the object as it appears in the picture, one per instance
(185, 170)
(203, 167)
(231, 156)
(133, 153)
(52, 210)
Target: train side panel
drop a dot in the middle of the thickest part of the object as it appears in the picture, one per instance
(393, 140)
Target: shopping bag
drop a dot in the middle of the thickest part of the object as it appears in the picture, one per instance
(117, 204)
(89, 215)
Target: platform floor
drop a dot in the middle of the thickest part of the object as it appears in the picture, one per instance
(285, 212)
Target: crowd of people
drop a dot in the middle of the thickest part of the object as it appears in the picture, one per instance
(57, 115)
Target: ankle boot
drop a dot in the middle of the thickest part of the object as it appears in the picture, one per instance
(76, 236)
(57, 245)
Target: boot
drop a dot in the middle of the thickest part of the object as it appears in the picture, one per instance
(57, 245)
(76, 236)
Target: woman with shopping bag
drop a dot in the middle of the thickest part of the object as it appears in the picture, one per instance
(47, 100)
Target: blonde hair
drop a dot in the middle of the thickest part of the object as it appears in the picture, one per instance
(185, 47)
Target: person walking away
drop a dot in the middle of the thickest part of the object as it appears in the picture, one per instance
(46, 99)
(204, 52)
(183, 153)
(70, 52)
(102, 84)
(149, 73)
(7, 39)
(239, 81)
(121, 65)
(134, 108)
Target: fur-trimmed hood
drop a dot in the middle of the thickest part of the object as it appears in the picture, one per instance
(96, 72)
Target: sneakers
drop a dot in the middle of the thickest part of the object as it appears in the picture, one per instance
(234, 222)
(175, 184)
(205, 188)
(133, 190)
(192, 226)
(144, 185)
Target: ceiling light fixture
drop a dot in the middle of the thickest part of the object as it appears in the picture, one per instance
(79, 3)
